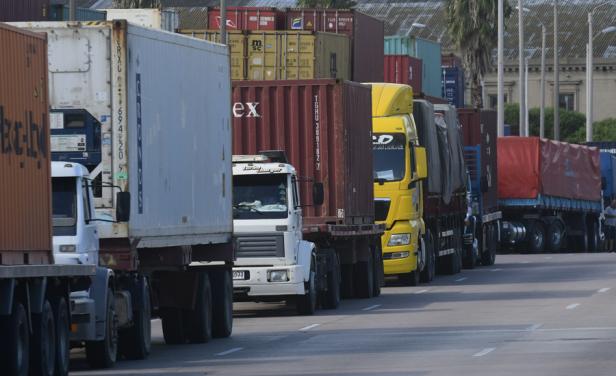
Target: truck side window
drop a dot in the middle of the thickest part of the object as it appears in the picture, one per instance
(295, 193)
(413, 164)
(86, 202)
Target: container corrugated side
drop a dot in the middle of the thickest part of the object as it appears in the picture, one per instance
(400, 69)
(608, 173)
(452, 83)
(399, 45)
(151, 18)
(430, 54)
(292, 55)
(25, 180)
(236, 40)
(248, 18)
(325, 128)
(24, 10)
(61, 13)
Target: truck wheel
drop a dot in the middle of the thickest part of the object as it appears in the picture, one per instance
(379, 271)
(173, 325)
(60, 310)
(199, 328)
(15, 343)
(307, 303)
(364, 279)
(135, 342)
(222, 298)
(103, 354)
(43, 344)
(469, 261)
(427, 274)
(488, 256)
(412, 278)
(330, 299)
(536, 237)
(555, 236)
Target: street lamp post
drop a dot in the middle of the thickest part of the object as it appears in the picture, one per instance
(589, 69)
(500, 97)
(223, 22)
(521, 96)
(542, 107)
(556, 76)
(415, 25)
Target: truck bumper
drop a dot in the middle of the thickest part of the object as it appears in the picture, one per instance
(394, 264)
(83, 319)
(258, 283)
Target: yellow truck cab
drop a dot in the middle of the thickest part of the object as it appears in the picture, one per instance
(399, 166)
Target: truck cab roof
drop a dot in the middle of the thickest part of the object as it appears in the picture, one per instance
(256, 168)
(68, 169)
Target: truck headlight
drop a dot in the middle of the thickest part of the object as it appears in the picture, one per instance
(399, 239)
(68, 248)
(395, 255)
(278, 276)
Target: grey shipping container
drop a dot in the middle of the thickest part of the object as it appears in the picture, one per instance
(24, 10)
(61, 13)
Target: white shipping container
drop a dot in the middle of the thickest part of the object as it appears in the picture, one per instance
(166, 19)
(164, 102)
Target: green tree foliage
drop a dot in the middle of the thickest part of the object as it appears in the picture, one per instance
(336, 4)
(604, 130)
(473, 28)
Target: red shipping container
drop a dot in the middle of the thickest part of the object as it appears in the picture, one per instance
(451, 61)
(367, 36)
(401, 69)
(324, 126)
(529, 166)
(248, 18)
(25, 176)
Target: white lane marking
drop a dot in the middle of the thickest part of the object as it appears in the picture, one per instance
(461, 279)
(573, 306)
(496, 270)
(535, 327)
(230, 351)
(548, 257)
(305, 328)
(525, 262)
(605, 289)
(484, 352)
(420, 291)
(371, 307)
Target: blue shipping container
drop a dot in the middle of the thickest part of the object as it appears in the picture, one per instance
(452, 84)
(426, 50)
(608, 173)
(60, 13)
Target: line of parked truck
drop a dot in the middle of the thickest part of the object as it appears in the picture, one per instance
(174, 191)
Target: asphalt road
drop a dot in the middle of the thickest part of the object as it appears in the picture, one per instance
(551, 314)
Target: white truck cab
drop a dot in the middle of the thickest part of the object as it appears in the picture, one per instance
(273, 261)
(75, 236)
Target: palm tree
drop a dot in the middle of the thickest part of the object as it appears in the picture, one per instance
(473, 28)
(338, 4)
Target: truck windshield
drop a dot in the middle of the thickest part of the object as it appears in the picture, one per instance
(388, 156)
(260, 196)
(64, 202)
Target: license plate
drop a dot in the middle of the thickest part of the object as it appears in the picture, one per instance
(240, 275)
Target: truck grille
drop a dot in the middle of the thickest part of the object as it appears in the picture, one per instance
(259, 245)
(381, 209)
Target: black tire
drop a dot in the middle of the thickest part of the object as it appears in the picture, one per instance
(364, 279)
(307, 304)
(103, 354)
(60, 310)
(347, 281)
(330, 299)
(379, 270)
(15, 342)
(555, 236)
(222, 299)
(536, 237)
(173, 324)
(469, 260)
(136, 342)
(43, 342)
(488, 254)
(412, 278)
(199, 319)
(427, 275)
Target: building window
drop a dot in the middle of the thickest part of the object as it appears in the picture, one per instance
(493, 100)
(567, 101)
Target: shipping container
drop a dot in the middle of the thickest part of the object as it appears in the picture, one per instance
(25, 234)
(60, 12)
(605, 146)
(366, 35)
(324, 126)
(166, 19)
(453, 86)
(530, 167)
(193, 18)
(479, 134)
(401, 69)
(148, 134)
(430, 54)
(236, 39)
(451, 61)
(608, 176)
(248, 18)
(24, 10)
(292, 55)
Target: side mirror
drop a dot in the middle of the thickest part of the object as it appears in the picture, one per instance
(122, 206)
(421, 162)
(483, 184)
(318, 194)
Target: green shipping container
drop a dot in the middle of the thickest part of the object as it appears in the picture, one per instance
(430, 54)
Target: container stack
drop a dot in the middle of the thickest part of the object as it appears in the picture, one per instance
(452, 81)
